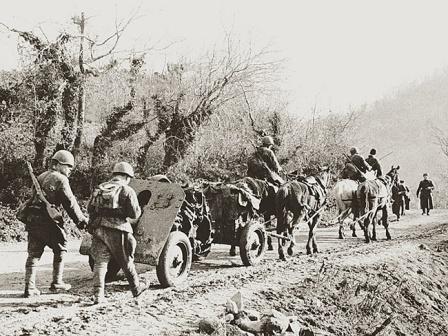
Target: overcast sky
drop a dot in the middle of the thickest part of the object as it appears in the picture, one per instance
(338, 53)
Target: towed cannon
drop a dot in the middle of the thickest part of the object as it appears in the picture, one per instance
(174, 229)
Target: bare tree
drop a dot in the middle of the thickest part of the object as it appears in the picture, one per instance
(72, 74)
(441, 138)
(190, 93)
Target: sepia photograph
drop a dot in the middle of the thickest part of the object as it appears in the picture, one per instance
(224, 168)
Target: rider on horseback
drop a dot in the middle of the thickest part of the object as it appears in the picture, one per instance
(374, 163)
(264, 164)
(355, 166)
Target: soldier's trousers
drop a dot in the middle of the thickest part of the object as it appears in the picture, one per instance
(36, 245)
(120, 245)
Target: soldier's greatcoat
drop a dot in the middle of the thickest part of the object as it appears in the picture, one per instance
(425, 191)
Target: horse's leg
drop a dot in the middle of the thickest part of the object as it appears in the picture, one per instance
(353, 227)
(366, 228)
(341, 224)
(374, 220)
(316, 222)
(341, 229)
(290, 231)
(232, 251)
(266, 219)
(386, 222)
(281, 253)
(282, 230)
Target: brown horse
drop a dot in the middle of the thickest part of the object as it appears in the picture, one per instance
(374, 196)
(302, 201)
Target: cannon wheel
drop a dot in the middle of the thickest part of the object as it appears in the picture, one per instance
(175, 260)
(252, 243)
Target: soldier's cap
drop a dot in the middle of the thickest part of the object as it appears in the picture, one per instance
(373, 151)
(401, 181)
(425, 174)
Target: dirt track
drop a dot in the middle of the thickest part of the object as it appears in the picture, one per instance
(347, 280)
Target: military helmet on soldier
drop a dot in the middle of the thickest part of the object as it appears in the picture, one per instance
(123, 168)
(267, 141)
(354, 150)
(64, 157)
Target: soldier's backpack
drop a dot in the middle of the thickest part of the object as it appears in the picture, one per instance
(106, 196)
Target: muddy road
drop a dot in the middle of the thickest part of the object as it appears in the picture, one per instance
(348, 288)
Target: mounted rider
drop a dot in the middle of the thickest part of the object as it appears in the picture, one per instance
(374, 163)
(355, 166)
(263, 164)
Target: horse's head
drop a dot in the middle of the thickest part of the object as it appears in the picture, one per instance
(324, 175)
(393, 175)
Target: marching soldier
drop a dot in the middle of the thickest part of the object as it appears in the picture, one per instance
(111, 207)
(425, 191)
(42, 230)
(263, 164)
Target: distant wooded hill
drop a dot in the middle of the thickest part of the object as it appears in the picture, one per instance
(403, 124)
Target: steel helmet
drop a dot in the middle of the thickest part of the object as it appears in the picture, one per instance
(64, 157)
(267, 140)
(354, 150)
(123, 168)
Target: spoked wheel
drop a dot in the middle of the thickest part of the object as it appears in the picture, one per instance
(252, 243)
(175, 260)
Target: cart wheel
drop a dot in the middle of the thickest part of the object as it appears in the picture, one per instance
(175, 260)
(252, 244)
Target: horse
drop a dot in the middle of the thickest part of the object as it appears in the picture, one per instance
(374, 195)
(346, 200)
(303, 201)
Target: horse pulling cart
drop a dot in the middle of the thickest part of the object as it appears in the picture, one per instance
(176, 228)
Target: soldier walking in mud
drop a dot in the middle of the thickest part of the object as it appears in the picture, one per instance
(398, 198)
(425, 191)
(111, 207)
(42, 230)
(264, 165)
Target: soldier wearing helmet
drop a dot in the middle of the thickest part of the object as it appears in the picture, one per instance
(358, 160)
(42, 231)
(111, 207)
(264, 164)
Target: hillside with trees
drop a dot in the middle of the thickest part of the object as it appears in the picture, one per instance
(408, 125)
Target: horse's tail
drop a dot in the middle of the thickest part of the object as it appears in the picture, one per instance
(281, 199)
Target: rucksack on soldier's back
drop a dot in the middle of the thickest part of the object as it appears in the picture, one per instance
(106, 195)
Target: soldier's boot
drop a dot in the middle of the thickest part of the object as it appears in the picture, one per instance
(58, 269)
(30, 278)
(99, 275)
(137, 286)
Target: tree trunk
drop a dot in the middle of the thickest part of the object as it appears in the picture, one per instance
(70, 112)
(81, 117)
